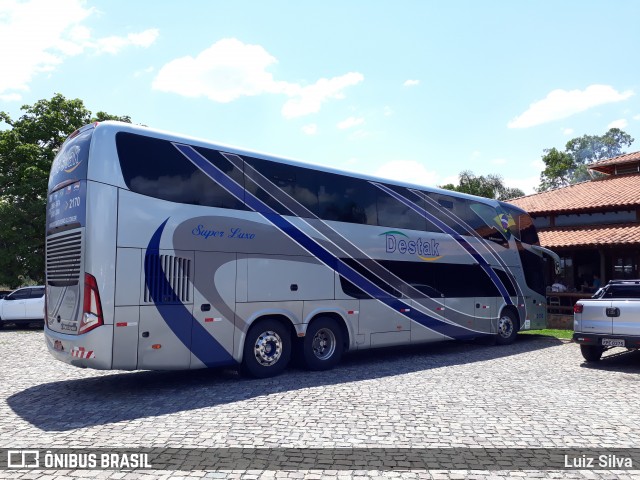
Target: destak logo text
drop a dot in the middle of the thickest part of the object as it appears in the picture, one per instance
(398, 242)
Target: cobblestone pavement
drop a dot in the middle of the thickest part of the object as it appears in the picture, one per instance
(536, 393)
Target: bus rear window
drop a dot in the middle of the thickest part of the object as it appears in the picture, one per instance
(70, 164)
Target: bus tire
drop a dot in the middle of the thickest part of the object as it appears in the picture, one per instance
(323, 344)
(507, 328)
(591, 353)
(267, 349)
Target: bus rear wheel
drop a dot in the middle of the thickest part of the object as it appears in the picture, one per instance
(507, 328)
(323, 344)
(267, 349)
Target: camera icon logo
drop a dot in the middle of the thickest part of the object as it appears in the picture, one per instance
(23, 459)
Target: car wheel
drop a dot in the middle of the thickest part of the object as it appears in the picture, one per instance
(267, 349)
(507, 328)
(323, 344)
(591, 353)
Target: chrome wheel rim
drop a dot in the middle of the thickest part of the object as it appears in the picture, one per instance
(268, 348)
(505, 327)
(323, 344)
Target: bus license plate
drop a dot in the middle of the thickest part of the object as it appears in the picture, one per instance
(613, 342)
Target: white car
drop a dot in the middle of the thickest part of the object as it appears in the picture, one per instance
(23, 306)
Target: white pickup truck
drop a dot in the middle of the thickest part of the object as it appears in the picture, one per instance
(23, 306)
(611, 318)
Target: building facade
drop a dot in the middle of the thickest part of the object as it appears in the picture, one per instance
(594, 226)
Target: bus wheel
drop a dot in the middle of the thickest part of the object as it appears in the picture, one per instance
(323, 344)
(267, 349)
(507, 328)
(591, 353)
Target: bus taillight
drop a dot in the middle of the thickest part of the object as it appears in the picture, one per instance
(92, 312)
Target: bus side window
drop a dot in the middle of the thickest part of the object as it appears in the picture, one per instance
(395, 214)
(280, 175)
(306, 189)
(154, 167)
(346, 199)
(443, 207)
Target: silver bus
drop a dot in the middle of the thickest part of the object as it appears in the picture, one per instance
(168, 252)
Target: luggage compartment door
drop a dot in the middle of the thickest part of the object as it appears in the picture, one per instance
(214, 300)
(166, 311)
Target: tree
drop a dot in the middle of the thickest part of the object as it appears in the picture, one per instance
(571, 165)
(27, 149)
(491, 186)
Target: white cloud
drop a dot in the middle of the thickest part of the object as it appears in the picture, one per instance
(621, 123)
(310, 129)
(567, 131)
(11, 97)
(225, 71)
(144, 71)
(350, 122)
(527, 184)
(114, 44)
(636, 117)
(41, 35)
(409, 171)
(230, 69)
(360, 134)
(411, 83)
(561, 104)
(538, 164)
(309, 99)
(451, 179)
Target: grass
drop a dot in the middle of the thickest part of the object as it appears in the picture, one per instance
(550, 332)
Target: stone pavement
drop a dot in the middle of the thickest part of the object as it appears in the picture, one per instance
(535, 394)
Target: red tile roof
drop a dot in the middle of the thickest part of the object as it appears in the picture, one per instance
(610, 192)
(608, 165)
(590, 236)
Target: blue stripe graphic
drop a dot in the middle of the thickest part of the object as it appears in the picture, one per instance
(188, 330)
(455, 235)
(317, 250)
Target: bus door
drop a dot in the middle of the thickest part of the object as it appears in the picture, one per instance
(213, 311)
(166, 313)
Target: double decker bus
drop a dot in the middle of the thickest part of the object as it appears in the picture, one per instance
(168, 252)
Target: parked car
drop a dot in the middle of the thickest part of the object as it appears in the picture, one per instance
(611, 318)
(23, 306)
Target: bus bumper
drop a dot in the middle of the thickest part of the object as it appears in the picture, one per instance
(92, 349)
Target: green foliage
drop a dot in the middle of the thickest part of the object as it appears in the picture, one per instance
(571, 165)
(550, 332)
(491, 186)
(27, 149)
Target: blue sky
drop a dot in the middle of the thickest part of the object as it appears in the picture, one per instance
(414, 90)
